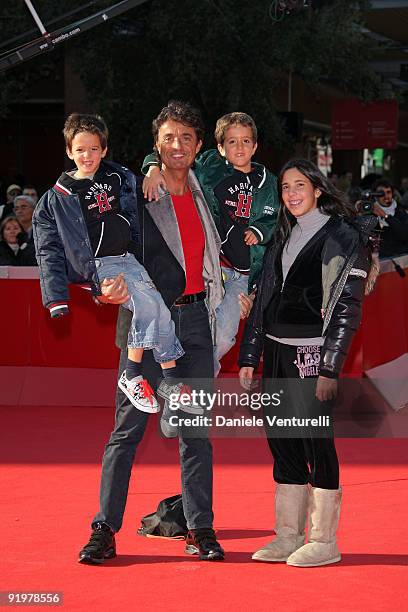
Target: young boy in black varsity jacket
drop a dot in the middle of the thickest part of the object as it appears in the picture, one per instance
(83, 228)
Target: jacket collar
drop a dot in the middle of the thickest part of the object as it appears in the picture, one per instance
(164, 217)
(309, 245)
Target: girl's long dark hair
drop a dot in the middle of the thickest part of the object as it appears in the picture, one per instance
(331, 201)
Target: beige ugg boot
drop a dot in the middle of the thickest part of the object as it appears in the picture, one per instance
(321, 548)
(291, 503)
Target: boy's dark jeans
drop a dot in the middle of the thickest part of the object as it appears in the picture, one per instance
(193, 331)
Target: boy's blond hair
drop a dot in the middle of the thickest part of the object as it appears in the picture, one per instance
(77, 122)
(230, 119)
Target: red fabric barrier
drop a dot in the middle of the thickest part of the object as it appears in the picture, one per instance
(385, 322)
(85, 339)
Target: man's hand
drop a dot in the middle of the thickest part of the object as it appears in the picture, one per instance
(114, 290)
(250, 238)
(378, 211)
(246, 375)
(151, 183)
(326, 388)
(245, 304)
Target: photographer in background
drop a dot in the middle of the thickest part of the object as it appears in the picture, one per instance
(393, 220)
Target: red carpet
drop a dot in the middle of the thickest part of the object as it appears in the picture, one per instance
(49, 477)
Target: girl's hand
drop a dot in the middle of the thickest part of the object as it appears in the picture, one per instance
(245, 377)
(245, 304)
(326, 388)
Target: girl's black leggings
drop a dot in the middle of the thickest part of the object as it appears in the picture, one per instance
(306, 459)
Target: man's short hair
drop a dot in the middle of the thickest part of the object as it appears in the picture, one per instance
(77, 122)
(182, 112)
(30, 187)
(382, 182)
(230, 119)
(26, 198)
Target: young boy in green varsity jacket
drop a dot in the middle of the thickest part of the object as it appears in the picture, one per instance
(242, 197)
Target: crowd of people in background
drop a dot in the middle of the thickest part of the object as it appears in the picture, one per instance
(17, 208)
(16, 231)
(376, 195)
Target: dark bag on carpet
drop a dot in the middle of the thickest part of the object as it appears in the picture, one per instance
(167, 522)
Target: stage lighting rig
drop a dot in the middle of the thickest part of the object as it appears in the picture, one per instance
(280, 8)
(49, 40)
(290, 5)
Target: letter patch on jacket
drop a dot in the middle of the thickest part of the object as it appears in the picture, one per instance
(358, 272)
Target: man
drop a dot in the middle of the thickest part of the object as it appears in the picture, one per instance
(393, 221)
(7, 209)
(31, 191)
(13, 191)
(24, 209)
(180, 249)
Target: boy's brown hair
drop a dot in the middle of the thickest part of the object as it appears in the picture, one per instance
(77, 122)
(230, 119)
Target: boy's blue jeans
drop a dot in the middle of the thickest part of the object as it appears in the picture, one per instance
(152, 326)
(228, 314)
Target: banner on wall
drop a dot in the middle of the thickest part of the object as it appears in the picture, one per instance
(359, 125)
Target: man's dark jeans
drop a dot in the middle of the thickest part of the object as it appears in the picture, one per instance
(193, 331)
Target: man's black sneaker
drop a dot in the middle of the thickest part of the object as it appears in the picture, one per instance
(203, 542)
(101, 545)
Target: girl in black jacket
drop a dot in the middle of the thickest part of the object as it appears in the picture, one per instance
(307, 309)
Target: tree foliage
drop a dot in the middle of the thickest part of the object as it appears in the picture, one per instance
(222, 55)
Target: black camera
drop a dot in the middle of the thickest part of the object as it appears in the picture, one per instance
(367, 200)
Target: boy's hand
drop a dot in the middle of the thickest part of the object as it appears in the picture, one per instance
(245, 304)
(114, 290)
(151, 183)
(250, 238)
